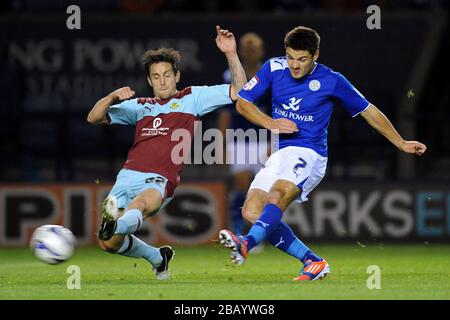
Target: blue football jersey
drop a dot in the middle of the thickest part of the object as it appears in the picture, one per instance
(307, 101)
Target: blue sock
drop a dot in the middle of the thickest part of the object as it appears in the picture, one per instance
(130, 222)
(267, 223)
(284, 239)
(237, 221)
(136, 248)
(310, 255)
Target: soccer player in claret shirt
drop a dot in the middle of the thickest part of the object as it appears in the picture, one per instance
(303, 92)
(149, 176)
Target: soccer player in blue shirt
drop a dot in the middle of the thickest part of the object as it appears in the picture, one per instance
(303, 94)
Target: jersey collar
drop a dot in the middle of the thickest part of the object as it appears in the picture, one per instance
(314, 69)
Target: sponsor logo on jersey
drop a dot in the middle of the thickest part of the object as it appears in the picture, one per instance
(293, 115)
(156, 130)
(314, 85)
(251, 84)
(294, 104)
(157, 123)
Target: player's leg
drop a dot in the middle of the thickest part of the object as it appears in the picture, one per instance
(269, 226)
(254, 203)
(283, 237)
(141, 193)
(113, 207)
(280, 195)
(116, 240)
(278, 198)
(144, 204)
(294, 168)
(309, 172)
(158, 257)
(147, 202)
(280, 192)
(301, 174)
(150, 189)
(256, 199)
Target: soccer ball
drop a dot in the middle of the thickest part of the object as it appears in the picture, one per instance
(52, 244)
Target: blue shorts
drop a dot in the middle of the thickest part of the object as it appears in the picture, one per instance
(130, 183)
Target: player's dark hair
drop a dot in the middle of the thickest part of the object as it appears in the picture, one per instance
(302, 38)
(169, 55)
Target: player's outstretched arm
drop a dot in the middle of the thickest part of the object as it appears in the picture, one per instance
(227, 44)
(251, 112)
(98, 113)
(382, 124)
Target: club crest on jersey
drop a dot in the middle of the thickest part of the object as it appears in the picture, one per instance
(314, 85)
(251, 84)
(174, 105)
(294, 104)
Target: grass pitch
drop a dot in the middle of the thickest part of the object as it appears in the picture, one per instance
(407, 272)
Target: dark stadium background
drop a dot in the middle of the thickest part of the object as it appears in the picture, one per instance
(51, 76)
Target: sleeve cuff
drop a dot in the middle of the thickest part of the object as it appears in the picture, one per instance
(362, 110)
(244, 98)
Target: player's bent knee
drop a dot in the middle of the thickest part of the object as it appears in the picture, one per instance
(250, 215)
(149, 202)
(275, 197)
(105, 246)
